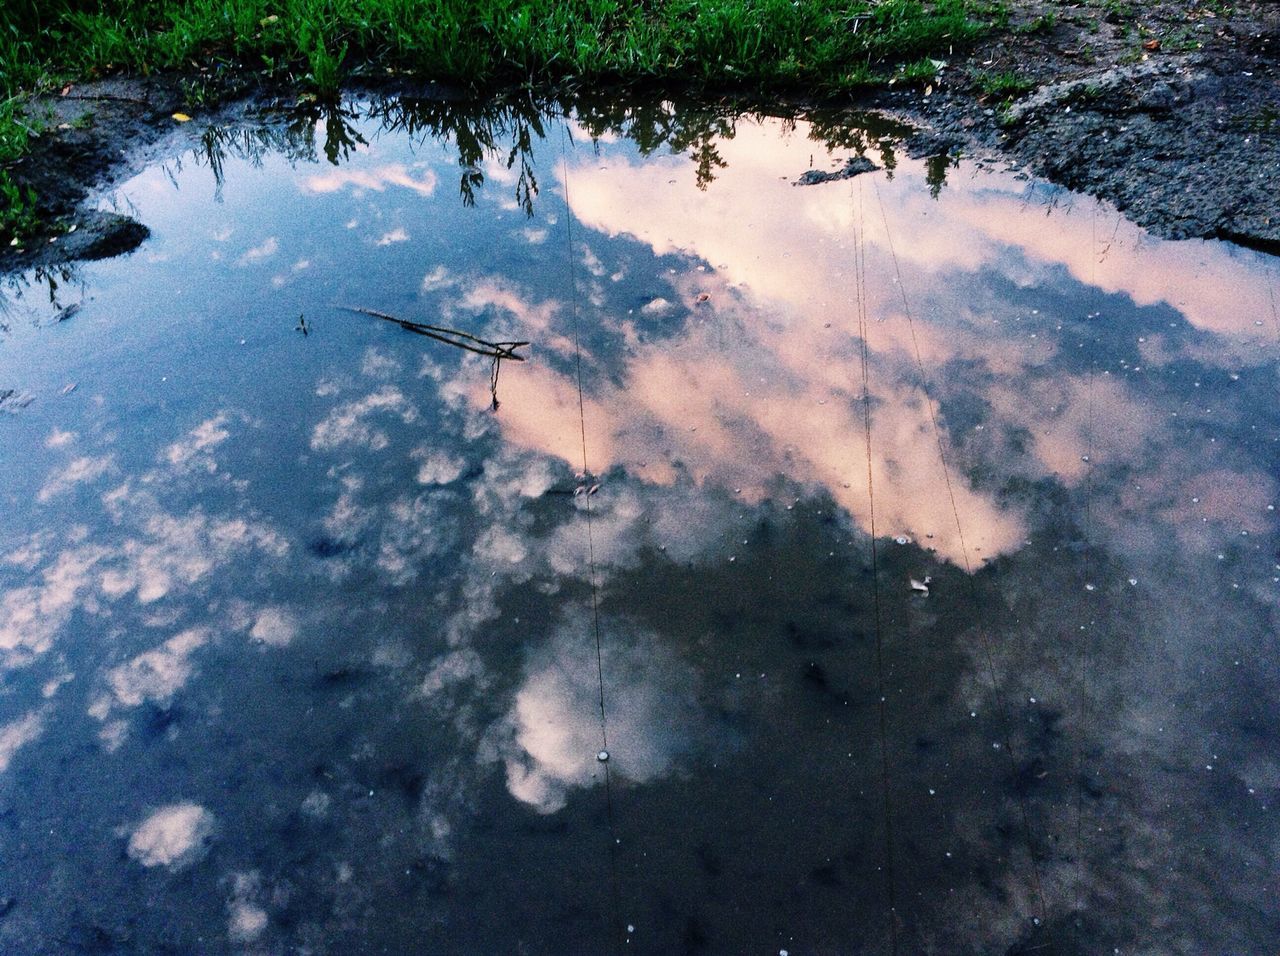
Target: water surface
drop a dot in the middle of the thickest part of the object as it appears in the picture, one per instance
(907, 543)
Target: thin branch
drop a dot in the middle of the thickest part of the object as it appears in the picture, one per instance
(494, 350)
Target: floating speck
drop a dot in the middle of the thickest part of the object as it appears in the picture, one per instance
(1133, 582)
(602, 756)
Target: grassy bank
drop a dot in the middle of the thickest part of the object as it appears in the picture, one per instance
(821, 46)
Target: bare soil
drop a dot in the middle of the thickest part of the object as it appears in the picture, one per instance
(1171, 112)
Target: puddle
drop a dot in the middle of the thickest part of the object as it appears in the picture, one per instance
(888, 563)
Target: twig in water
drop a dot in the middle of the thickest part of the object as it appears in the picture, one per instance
(462, 340)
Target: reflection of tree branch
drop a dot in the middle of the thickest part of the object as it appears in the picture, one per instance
(493, 381)
(295, 141)
(505, 130)
(15, 286)
(707, 158)
(475, 131)
(935, 171)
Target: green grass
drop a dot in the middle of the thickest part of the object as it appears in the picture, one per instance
(1010, 84)
(18, 215)
(479, 42)
(822, 47)
(1044, 23)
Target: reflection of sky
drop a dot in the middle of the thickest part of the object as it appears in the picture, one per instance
(296, 631)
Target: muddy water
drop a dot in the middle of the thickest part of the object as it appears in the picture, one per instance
(887, 564)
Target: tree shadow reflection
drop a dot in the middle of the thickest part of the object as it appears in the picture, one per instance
(507, 129)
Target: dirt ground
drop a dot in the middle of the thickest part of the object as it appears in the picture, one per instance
(1169, 110)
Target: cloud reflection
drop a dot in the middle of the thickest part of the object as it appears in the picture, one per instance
(174, 836)
(422, 181)
(554, 724)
